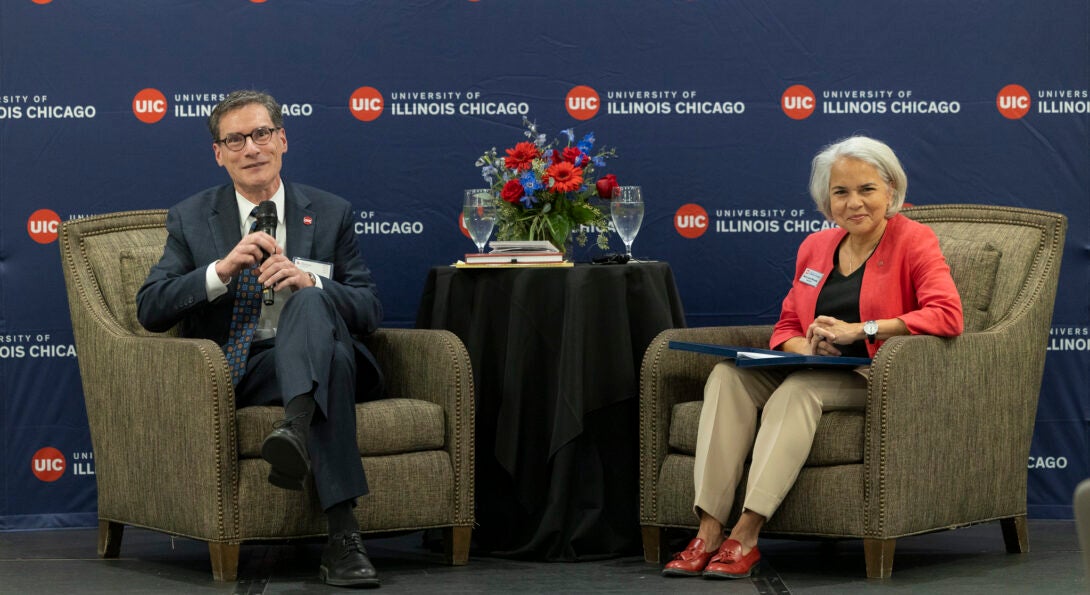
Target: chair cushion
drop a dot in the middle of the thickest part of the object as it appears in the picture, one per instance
(383, 427)
(973, 265)
(838, 441)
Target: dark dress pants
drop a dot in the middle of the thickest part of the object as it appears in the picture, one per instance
(313, 351)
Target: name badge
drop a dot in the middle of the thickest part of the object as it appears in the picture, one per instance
(322, 269)
(811, 277)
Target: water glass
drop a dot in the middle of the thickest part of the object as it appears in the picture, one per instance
(479, 215)
(626, 209)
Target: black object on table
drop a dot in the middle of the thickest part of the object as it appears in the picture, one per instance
(556, 354)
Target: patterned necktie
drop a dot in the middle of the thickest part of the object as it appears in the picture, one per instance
(244, 317)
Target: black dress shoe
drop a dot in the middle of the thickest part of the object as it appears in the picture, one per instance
(345, 562)
(286, 450)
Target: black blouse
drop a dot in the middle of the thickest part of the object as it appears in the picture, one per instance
(839, 298)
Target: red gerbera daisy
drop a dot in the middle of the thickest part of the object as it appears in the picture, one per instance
(522, 156)
(565, 176)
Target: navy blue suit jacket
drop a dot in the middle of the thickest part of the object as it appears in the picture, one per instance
(206, 226)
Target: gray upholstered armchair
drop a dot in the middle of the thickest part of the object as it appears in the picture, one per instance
(174, 455)
(899, 467)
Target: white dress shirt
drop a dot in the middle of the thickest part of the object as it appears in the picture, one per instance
(266, 323)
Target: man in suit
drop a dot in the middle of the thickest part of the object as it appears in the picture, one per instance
(302, 350)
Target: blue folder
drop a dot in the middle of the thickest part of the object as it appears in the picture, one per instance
(753, 357)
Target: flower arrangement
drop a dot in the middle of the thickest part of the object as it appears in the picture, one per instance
(547, 189)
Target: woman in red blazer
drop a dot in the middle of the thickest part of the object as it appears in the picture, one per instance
(877, 275)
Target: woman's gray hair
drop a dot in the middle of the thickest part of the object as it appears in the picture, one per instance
(239, 99)
(864, 149)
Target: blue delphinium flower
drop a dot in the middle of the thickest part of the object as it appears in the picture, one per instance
(570, 133)
(529, 185)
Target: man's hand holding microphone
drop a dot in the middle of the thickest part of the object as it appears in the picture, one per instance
(259, 247)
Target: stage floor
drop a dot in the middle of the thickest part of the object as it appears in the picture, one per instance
(969, 560)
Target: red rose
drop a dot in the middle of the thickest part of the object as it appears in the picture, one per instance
(512, 191)
(605, 186)
(565, 176)
(522, 156)
(571, 154)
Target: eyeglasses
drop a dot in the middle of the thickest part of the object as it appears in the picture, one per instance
(236, 141)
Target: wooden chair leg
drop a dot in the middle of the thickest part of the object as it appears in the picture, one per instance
(1015, 534)
(109, 538)
(224, 558)
(456, 545)
(654, 545)
(879, 555)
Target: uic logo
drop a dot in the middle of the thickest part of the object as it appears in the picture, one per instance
(48, 464)
(149, 106)
(1013, 102)
(462, 226)
(43, 225)
(582, 102)
(691, 221)
(366, 104)
(798, 102)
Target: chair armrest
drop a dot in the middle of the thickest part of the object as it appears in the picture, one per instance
(668, 377)
(956, 413)
(161, 405)
(433, 365)
(428, 364)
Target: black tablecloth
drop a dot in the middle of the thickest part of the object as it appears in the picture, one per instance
(556, 355)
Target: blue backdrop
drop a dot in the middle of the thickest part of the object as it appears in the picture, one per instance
(715, 109)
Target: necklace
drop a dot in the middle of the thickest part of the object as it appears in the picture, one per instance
(851, 256)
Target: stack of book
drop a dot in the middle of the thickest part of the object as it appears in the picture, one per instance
(517, 253)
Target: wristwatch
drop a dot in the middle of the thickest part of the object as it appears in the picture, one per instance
(870, 328)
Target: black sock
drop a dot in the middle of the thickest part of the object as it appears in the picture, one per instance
(302, 406)
(340, 518)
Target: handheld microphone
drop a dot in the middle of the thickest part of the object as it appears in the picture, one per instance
(266, 222)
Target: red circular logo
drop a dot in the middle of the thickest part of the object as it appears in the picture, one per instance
(582, 102)
(43, 225)
(462, 226)
(798, 102)
(366, 103)
(691, 221)
(149, 106)
(1013, 102)
(48, 464)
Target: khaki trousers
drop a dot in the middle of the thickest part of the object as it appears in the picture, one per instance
(791, 403)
